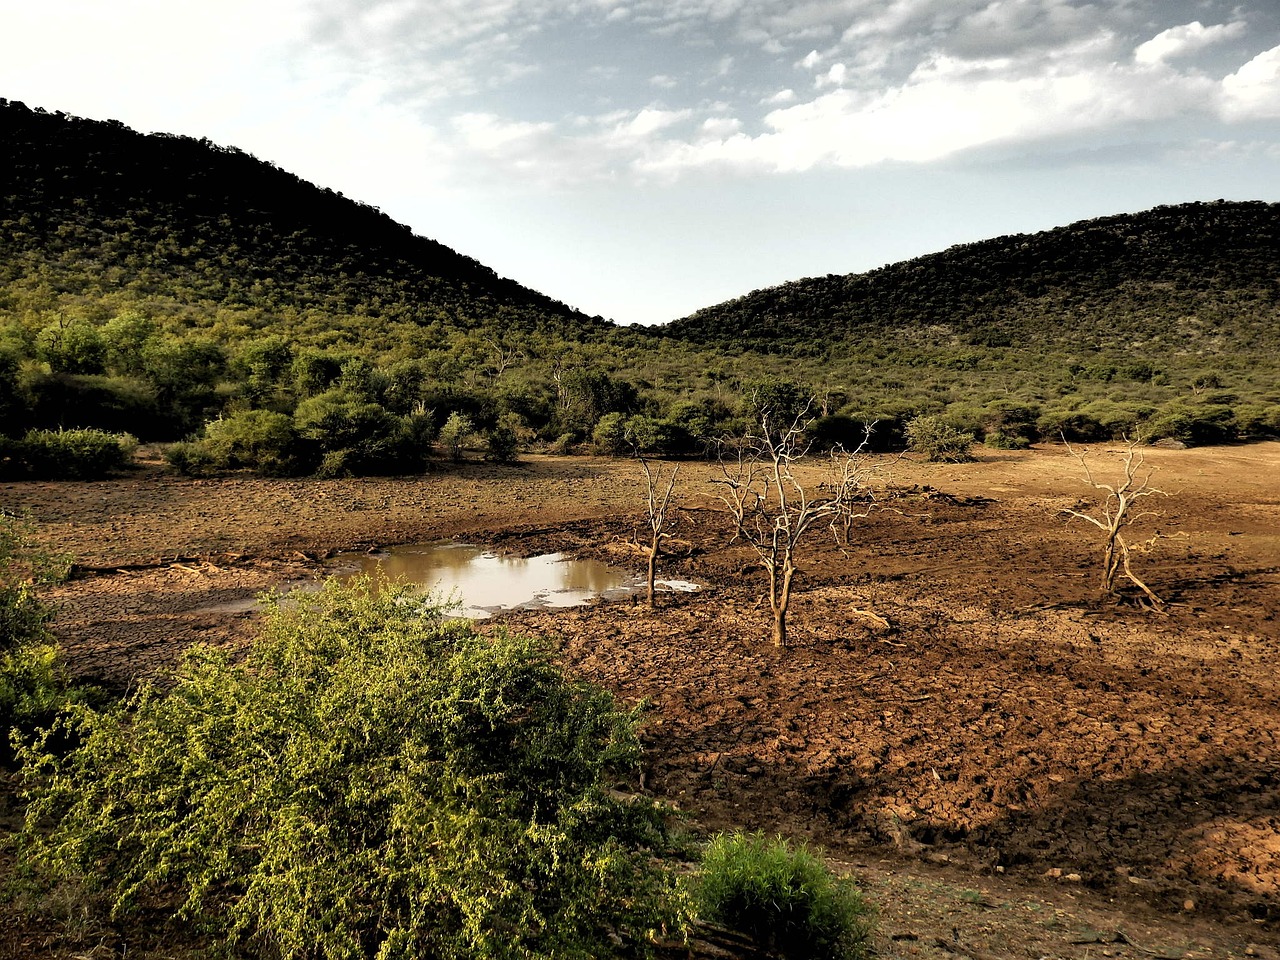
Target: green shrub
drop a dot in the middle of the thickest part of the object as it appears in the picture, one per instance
(1195, 424)
(784, 897)
(34, 689)
(190, 458)
(838, 430)
(372, 780)
(261, 440)
(24, 566)
(610, 435)
(75, 347)
(456, 434)
(501, 444)
(33, 679)
(1258, 420)
(370, 438)
(74, 454)
(938, 440)
(649, 435)
(1006, 441)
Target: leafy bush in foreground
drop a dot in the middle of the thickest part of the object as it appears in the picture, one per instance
(372, 781)
(33, 678)
(783, 897)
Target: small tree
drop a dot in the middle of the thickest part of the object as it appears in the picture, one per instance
(456, 433)
(657, 502)
(773, 510)
(1114, 512)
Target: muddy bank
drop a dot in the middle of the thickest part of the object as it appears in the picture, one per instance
(1006, 723)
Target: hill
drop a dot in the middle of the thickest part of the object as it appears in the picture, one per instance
(1196, 278)
(92, 212)
(170, 287)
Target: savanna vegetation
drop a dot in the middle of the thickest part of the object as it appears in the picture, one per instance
(372, 780)
(171, 289)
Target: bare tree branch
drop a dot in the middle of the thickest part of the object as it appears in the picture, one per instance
(1114, 511)
(773, 510)
(657, 500)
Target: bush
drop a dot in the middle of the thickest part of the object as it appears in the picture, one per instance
(74, 454)
(841, 431)
(610, 435)
(501, 444)
(34, 689)
(368, 437)
(261, 440)
(938, 440)
(1006, 441)
(456, 434)
(372, 780)
(33, 680)
(1195, 424)
(783, 897)
(24, 566)
(190, 458)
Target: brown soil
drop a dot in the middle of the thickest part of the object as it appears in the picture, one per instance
(1016, 767)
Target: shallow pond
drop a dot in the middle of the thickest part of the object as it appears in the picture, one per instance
(485, 583)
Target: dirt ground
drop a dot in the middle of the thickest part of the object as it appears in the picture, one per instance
(1014, 766)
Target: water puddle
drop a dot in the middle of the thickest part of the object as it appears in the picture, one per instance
(486, 583)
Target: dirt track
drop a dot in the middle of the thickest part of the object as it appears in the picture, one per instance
(1007, 725)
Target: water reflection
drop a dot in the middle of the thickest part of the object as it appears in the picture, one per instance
(486, 582)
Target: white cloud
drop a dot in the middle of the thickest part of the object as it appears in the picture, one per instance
(1253, 91)
(834, 76)
(782, 96)
(486, 132)
(651, 120)
(720, 128)
(1185, 40)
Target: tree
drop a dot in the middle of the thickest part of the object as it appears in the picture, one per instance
(657, 501)
(773, 509)
(456, 434)
(75, 347)
(1114, 513)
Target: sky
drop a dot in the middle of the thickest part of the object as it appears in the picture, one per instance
(641, 159)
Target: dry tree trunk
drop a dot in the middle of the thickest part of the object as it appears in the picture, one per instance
(658, 501)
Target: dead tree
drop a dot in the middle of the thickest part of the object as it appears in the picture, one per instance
(1113, 512)
(773, 510)
(658, 500)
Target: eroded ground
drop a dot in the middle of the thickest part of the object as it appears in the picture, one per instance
(1017, 768)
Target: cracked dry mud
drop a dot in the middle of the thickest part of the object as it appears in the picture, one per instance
(1014, 766)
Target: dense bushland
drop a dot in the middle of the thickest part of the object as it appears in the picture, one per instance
(173, 289)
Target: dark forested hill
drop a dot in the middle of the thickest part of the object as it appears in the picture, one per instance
(1199, 277)
(92, 211)
(169, 287)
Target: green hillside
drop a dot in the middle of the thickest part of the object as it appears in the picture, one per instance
(173, 288)
(1201, 278)
(94, 213)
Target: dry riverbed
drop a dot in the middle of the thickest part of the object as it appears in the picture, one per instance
(1015, 767)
